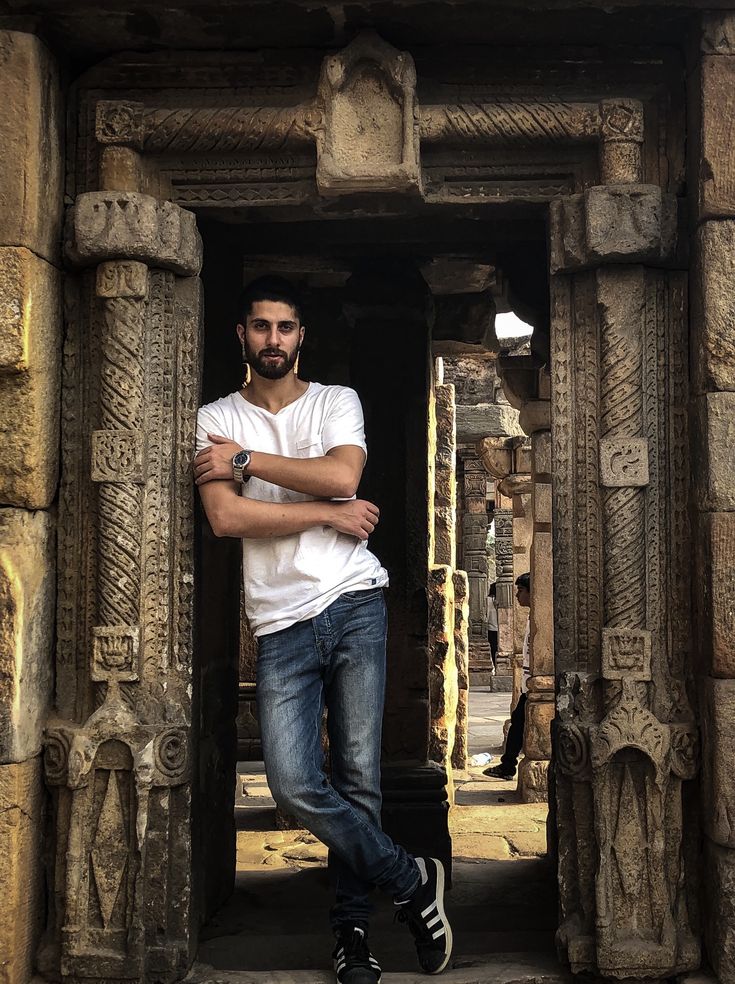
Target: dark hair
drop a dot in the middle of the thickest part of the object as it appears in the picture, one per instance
(270, 288)
(524, 581)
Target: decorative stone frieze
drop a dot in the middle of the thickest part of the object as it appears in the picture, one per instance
(104, 225)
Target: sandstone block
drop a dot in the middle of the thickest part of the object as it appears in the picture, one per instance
(715, 593)
(30, 351)
(486, 420)
(716, 119)
(718, 754)
(713, 441)
(718, 32)
(31, 122)
(107, 225)
(541, 448)
(537, 730)
(629, 223)
(713, 307)
(542, 608)
(533, 783)
(21, 901)
(27, 588)
(719, 921)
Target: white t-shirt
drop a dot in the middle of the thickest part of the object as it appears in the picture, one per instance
(292, 578)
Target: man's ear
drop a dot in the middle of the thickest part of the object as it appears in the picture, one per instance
(241, 332)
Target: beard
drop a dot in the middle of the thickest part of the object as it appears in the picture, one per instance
(272, 368)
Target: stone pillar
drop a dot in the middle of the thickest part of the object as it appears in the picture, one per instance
(474, 554)
(462, 659)
(31, 122)
(625, 737)
(712, 179)
(503, 517)
(118, 756)
(540, 709)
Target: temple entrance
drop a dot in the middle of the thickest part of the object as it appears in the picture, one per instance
(392, 201)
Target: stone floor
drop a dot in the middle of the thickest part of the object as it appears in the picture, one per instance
(502, 906)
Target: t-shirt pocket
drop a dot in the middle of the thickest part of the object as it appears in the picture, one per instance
(309, 447)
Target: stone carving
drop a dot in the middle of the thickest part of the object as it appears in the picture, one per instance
(613, 224)
(621, 120)
(623, 747)
(367, 139)
(119, 764)
(228, 130)
(115, 653)
(626, 654)
(624, 462)
(106, 225)
(118, 456)
(119, 122)
(502, 123)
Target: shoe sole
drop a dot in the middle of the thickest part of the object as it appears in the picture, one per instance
(440, 909)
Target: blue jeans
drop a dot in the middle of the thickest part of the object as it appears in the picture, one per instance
(337, 658)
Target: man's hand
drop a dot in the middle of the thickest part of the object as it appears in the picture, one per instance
(355, 518)
(215, 463)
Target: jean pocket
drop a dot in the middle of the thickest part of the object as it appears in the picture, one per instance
(363, 594)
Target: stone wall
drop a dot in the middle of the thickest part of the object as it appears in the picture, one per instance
(712, 180)
(30, 344)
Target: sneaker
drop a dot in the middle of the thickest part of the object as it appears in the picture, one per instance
(353, 961)
(424, 913)
(499, 772)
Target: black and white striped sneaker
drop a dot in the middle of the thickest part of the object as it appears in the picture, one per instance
(353, 961)
(424, 913)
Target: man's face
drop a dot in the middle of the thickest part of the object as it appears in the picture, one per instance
(271, 338)
(523, 596)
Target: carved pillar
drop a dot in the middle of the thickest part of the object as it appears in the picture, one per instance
(625, 738)
(119, 755)
(474, 559)
(504, 593)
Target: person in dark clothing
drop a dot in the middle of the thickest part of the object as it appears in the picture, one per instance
(514, 740)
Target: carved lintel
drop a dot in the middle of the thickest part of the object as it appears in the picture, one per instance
(105, 225)
(119, 122)
(626, 654)
(621, 120)
(368, 137)
(126, 278)
(630, 725)
(115, 653)
(118, 456)
(624, 462)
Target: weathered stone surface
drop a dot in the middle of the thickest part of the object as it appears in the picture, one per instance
(461, 656)
(533, 782)
(443, 667)
(629, 223)
(626, 223)
(484, 420)
(713, 441)
(30, 343)
(27, 587)
(475, 379)
(718, 753)
(713, 307)
(719, 922)
(106, 225)
(542, 605)
(445, 477)
(368, 140)
(537, 733)
(535, 416)
(714, 588)
(21, 867)
(457, 275)
(31, 123)
(715, 114)
(718, 32)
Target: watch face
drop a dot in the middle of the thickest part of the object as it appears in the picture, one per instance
(241, 459)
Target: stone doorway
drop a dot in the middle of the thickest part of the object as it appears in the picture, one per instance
(130, 751)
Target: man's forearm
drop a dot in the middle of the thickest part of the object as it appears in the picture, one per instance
(324, 477)
(252, 519)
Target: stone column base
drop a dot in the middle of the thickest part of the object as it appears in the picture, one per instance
(533, 783)
(416, 811)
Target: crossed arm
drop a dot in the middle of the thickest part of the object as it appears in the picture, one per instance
(336, 474)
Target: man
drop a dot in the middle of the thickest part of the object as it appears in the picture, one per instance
(514, 740)
(492, 624)
(278, 465)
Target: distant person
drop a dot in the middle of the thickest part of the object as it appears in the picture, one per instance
(492, 623)
(514, 741)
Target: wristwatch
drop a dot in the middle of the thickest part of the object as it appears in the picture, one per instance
(240, 462)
